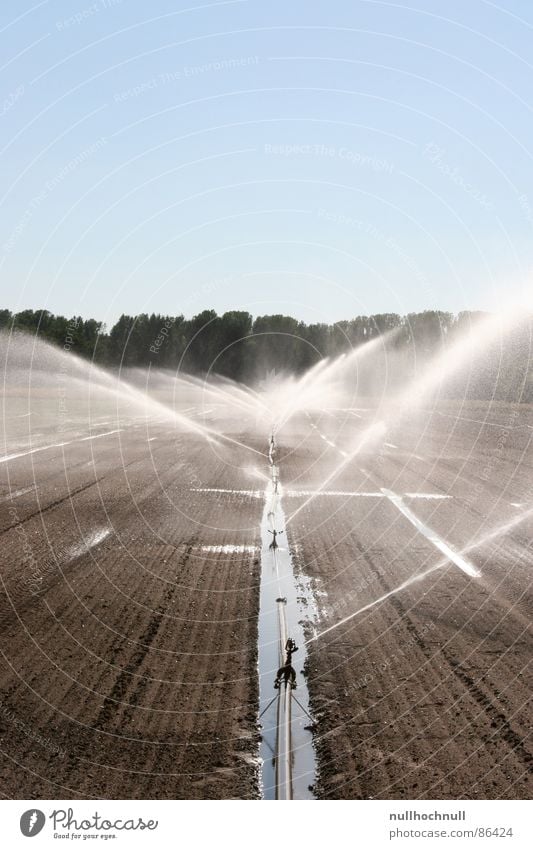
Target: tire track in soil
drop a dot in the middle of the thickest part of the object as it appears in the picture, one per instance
(114, 701)
(56, 503)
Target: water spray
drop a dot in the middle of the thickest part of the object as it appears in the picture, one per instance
(496, 532)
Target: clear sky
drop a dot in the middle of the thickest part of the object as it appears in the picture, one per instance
(320, 159)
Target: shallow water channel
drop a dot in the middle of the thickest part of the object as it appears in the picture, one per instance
(286, 752)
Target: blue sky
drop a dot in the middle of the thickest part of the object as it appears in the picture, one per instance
(318, 159)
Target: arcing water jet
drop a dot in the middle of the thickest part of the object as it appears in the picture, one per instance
(496, 532)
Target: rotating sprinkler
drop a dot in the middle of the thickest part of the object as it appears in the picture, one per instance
(275, 534)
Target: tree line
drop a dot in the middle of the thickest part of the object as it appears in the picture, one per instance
(237, 345)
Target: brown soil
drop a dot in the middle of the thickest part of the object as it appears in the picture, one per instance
(128, 671)
(427, 694)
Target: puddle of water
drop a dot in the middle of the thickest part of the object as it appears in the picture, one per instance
(460, 561)
(299, 493)
(277, 621)
(429, 495)
(305, 493)
(17, 493)
(229, 549)
(89, 542)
